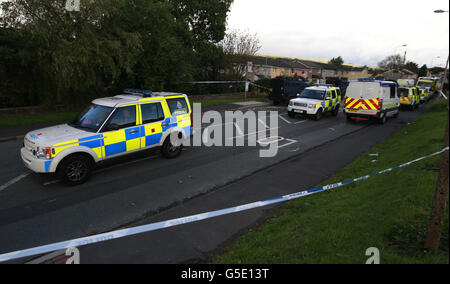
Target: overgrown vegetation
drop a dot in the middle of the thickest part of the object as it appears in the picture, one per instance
(49, 55)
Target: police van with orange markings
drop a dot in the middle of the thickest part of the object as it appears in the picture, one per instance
(372, 99)
(107, 128)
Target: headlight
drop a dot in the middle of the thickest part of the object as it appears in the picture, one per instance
(44, 153)
(311, 106)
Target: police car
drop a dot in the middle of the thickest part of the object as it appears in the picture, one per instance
(315, 101)
(107, 128)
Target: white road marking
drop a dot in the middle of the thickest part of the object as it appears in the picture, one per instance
(13, 181)
(238, 129)
(285, 119)
(262, 122)
(291, 141)
(301, 121)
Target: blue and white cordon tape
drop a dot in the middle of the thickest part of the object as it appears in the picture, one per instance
(190, 219)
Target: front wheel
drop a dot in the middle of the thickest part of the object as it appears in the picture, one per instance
(318, 115)
(75, 170)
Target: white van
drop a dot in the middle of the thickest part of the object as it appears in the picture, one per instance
(371, 99)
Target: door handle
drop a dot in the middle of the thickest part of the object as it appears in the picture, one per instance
(134, 131)
(164, 124)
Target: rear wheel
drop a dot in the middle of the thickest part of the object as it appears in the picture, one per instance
(170, 151)
(335, 111)
(397, 113)
(383, 119)
(75, 170)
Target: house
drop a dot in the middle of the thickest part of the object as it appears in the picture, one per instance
(399, 74)
(271, 67)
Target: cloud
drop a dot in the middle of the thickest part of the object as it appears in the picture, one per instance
(360, 31)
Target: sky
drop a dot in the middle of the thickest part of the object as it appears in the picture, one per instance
(362, 32)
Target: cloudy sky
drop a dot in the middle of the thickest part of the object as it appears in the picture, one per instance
(361, 31)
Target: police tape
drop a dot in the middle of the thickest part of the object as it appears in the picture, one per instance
(190, 219)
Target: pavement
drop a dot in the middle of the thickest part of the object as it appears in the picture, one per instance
(144, 188)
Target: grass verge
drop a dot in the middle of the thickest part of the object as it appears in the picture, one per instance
(389, 212)
(29, 119)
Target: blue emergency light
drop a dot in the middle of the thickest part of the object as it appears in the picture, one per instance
(367, 80)
(135, 91)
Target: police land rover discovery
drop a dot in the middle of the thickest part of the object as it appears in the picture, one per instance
(315, 101)
(107, 128)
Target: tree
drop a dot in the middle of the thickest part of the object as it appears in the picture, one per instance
(338, 61)
(238, 47)
(412, 66)
(423, 71)
(70, 57)
(392, 62)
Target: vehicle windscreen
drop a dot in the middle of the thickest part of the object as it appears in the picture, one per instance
(424, 84)
(313, 94)
(92, 117)
(403, 93)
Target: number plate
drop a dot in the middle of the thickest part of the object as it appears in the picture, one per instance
(299, 111)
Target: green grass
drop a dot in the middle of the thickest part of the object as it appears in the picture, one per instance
(389, 211)
(16, 120)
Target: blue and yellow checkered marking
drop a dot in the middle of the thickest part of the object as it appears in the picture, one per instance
(126, 140)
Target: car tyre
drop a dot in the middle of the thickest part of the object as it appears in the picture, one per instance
(169, 151)
(397, 113)
(318, 115)
(75, 170)
(335, 111)
(383, 119)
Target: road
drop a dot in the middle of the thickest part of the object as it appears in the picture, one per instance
(38, 209)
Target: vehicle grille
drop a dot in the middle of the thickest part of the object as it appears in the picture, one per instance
(300, 104)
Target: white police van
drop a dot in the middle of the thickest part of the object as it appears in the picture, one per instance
(367, 99)
(107, 128)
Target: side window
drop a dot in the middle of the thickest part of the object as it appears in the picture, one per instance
(333, 94)
(339, 92)
(393, 91)
(123, 117)
(151, 113)
(178, 106)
